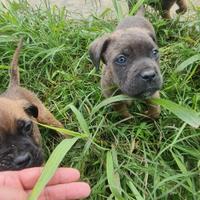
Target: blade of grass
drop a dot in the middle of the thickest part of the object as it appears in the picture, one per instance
(82, 122)
(186, 114)
(136, 7)
(191, 151)
(4, 67)
(188, 62)
(51, 166)
(178, 135)
(111, 177)
(116, 164)
(65, 131)
(47, 54)
(8, 67)
(173, 178)
(118, 9)
(109, 101)
(182, 168)
(135, 191)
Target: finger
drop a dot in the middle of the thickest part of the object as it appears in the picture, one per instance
(29, 177)
(10, 179)
(69, 191)
(7, 193)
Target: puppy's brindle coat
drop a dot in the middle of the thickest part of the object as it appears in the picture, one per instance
(20, 145)
(131, 62)
(164, 6)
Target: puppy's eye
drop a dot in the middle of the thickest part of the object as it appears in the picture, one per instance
(32, 110)
(121, 60)
(155, 54)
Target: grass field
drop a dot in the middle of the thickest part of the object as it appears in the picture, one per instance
(152, 159)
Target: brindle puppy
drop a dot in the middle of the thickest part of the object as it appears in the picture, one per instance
(164, 6)
(131, 59)
(20, 145)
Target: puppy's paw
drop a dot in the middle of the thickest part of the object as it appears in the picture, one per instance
(181, 10)
(153, 113)
(166, 15)
(182, 4)
(126, 115)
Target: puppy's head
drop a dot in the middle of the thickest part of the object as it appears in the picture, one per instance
(132, 57)
(19, 136)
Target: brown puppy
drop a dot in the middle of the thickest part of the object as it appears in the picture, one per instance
(131, 59)
(19, 136)
(164, 6)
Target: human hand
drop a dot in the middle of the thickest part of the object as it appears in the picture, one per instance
(16, 185)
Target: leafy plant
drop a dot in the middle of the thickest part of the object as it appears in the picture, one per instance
(51, 166)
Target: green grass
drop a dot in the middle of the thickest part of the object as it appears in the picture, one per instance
(148, 159)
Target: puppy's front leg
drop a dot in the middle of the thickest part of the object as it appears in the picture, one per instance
(182, 6)
(108, 90)
(166, 6)
(122, 109)
(153, 110)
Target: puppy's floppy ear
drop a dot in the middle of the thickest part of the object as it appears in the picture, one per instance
(31, 110)
(96, 50)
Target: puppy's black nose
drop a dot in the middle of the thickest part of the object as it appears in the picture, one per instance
(28, 126)
(148, 75)
(25, 126)
(23, 160)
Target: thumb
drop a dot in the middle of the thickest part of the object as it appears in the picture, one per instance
(7, 193)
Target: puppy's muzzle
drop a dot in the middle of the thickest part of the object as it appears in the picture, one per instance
(148, 75)
(142, 82)
(19, 152)
(149, 81)
(23, 160)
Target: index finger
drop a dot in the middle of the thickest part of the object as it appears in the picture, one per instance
(29, 177)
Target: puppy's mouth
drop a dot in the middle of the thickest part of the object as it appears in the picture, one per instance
(29, 160)
(147, 93)
(22, 160)
(144, 94)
